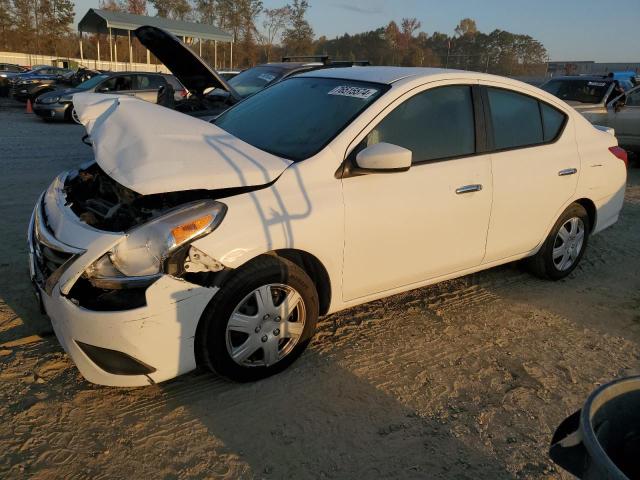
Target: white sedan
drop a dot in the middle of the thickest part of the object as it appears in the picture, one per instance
(186, 243)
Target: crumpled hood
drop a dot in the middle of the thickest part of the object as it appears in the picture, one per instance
(151, 149)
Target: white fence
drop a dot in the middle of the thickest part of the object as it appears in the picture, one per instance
(28, 59)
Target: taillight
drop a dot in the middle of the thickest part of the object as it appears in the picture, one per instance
(183, 93)
(620, 153)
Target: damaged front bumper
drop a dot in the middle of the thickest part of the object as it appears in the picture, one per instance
(151, 342)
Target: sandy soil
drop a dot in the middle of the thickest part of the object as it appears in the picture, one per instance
(465, 379)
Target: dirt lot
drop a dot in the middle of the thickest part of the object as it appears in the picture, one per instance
(466, 379)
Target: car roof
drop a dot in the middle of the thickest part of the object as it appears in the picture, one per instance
(386, 75)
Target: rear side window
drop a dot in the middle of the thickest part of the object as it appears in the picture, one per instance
(435, 124)
(149, 82)
(516, 119)
(552, 121)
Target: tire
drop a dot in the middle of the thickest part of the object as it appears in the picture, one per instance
(564, 247)
(275, 342)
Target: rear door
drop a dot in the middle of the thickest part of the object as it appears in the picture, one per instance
(535, 167)
(147, 87)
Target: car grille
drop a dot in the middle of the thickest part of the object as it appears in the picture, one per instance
(50, 257)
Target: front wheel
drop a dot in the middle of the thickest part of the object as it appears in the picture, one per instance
(260, 321)
(565, 245)
(74, 116)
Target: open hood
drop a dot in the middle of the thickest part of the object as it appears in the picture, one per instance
(189, 68)
(151, 149)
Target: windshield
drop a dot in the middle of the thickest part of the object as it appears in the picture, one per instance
(296, 118)
(254, 79)
(92, 82)
(577, 90)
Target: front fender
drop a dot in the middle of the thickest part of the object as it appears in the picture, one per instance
(301, 210)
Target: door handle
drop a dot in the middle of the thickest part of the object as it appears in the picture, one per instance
(567, 171)
(469, 188)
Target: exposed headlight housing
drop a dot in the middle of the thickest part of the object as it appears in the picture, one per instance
(49, 99)
(142, 253)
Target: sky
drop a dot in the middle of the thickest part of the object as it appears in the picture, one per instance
(569, 29)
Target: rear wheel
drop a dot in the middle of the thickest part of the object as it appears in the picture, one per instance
(565, 245)
(260, 321)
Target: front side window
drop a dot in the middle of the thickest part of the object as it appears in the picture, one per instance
(434, 124)
(515, 118)
(297, 117)
(633, 99)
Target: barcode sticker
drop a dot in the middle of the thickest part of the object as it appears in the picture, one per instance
(267, 77)
(355, 92)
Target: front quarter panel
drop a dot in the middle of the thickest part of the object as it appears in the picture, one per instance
(302, 210)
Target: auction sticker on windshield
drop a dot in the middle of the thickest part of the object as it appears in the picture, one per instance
(356, 92)
(597, 84)
(267, 77)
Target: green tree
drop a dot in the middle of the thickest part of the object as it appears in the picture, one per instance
(298, 38)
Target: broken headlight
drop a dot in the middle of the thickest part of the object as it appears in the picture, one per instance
(143, 251)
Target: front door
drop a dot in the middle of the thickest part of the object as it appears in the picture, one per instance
(406, 227)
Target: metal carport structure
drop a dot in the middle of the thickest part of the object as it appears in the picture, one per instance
(121, 24)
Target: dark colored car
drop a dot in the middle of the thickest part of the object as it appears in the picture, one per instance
(585, 92)
(7, 71)
(27, 86)
(58, 105)
(82, 74)
(211, 93)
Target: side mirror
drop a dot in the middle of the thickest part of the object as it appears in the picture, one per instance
(383, 158)
(102, 90)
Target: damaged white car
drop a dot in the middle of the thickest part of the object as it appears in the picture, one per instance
(188, 243)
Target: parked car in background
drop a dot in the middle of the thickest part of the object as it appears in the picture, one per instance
(58, 105)
(221, 243)
(585, 92)
(28, 85)
(211, 93)
(8, 70)
(228, 74)
(623, 115)
(82, 74)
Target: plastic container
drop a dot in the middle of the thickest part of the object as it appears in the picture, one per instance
(602, 440)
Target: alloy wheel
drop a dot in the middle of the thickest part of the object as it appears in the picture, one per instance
(74, 116)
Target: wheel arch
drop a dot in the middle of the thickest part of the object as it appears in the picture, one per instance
(591, 209)
(316, 271)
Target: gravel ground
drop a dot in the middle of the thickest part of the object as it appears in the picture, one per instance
(465, 379)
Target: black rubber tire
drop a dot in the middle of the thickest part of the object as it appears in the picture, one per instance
(210, 342)
(541, 264)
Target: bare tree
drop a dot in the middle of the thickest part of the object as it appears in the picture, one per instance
(275, 21)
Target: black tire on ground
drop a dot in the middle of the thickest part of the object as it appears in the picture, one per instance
(211, 336)
(542, 263)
